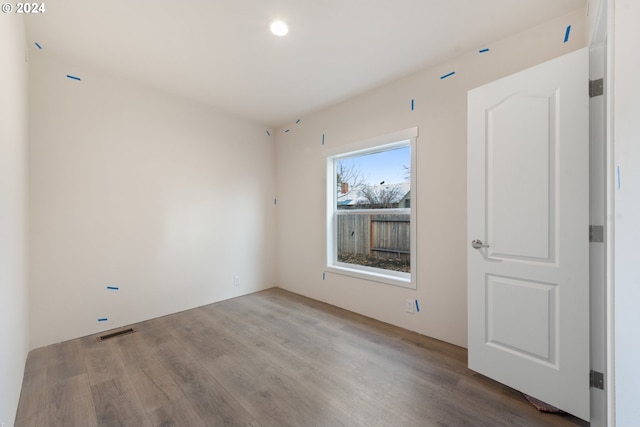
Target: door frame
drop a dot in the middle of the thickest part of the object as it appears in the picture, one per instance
(598, 250)
(601, 211)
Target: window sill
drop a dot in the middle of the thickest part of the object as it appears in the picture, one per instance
(401, 279)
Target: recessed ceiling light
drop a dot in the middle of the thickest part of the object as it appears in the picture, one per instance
(279, 28)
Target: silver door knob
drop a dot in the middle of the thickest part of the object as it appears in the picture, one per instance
(477, 244)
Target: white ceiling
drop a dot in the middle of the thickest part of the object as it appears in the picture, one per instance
(221, 52)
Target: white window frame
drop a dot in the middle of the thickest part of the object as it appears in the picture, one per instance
(403, 138)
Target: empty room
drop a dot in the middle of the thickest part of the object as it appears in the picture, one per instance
(319, 213)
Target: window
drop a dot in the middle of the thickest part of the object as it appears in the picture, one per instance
(370, 214)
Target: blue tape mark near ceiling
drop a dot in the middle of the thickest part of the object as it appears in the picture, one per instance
(413, 104)
(323, 139)
(268, 133)
(73, 77)
(485, 50)
(38, 45)
(113, 288)
(298, 121)
(447, 75)
(567, 34)
(287, 130)
(102, 319)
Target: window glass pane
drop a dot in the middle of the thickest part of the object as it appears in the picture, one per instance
(378, 180)
(375, 240)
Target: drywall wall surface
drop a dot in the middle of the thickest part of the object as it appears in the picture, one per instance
(439, 111)
(626, 127)
(14, 319)
(143, 204)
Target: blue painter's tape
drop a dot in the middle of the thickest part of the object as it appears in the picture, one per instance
(417, 307)
(38, 45)
(413, 104)
(485, 50)
(73, 77)
(268, 133)
(113, 288)
(324, 276)
(298, 121)
(567, 34)
(323, 139)
(102, 319)
(447, 75)
(287, 130)
(618, 172)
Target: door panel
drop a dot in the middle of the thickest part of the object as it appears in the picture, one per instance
(520, 140)
(514, 306)
(528, 195)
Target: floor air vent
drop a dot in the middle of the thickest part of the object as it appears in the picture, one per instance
(116, 334)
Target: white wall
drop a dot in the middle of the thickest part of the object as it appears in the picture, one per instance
(13, 211)
(626, 127)
(440, 114)
(165, 199)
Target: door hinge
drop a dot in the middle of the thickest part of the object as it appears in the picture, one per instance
(596, 233)
(596, 87)
(596, 379)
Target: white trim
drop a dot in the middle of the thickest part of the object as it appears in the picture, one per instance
(610, 225)
(370, 145)
(373, 211)
(389, 277)
(352, 148)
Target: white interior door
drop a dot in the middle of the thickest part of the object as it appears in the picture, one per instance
(528, 203)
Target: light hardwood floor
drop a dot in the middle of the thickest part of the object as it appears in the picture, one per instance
(268, 359)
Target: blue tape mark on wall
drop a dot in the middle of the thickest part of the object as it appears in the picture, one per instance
(417, 307)
(268, 133)
(324, 276)
(38, 45)
(113, 288)
(287, 130)
(102, 319)
(73, 77)
(618, 172)
(447, 75)
(298, 121)
(413, 104)
(485, 50)
(323, 139)
(567, 34)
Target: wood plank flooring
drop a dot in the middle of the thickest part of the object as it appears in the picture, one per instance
(268, 359)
